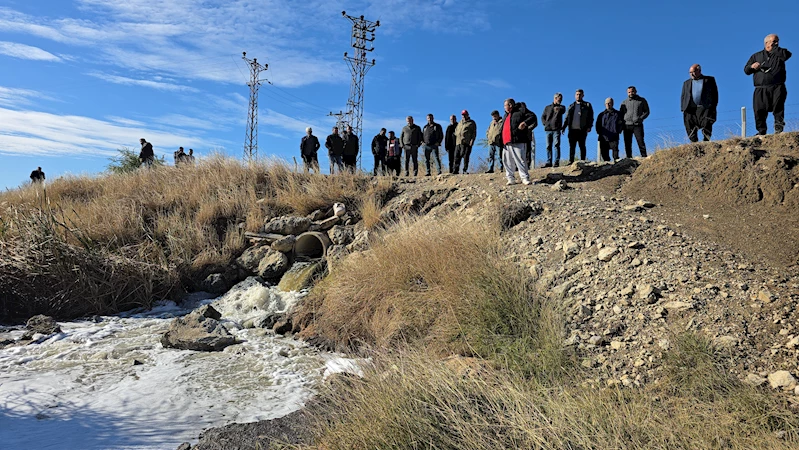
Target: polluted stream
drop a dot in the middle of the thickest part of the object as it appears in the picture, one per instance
(108, 383)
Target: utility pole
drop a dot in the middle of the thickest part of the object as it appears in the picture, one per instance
(339, 119)
(251, 136)
(363, 35)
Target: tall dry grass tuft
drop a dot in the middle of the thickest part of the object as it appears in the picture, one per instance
(413, 400)
(186, 220)
(443, 285)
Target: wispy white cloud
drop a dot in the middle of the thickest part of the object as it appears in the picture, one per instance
(22, 51)
(160, 85)
(14, 97)
(45, 134)
(496, 83)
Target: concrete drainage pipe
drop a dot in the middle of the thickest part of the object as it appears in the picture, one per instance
(311, 245)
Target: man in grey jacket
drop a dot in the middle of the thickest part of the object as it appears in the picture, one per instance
(411, 138)
(634, 110)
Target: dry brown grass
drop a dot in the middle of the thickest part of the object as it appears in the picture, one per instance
(186, 220)
(442, 285)
(413, 400)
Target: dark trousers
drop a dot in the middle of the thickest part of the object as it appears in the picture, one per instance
(577, 137)
(493, 152)
(451, 158)
(430, 151)
(605, 148)
(310, 162)
(380, 164)
(462, 153)
(699, 118)
(553, 137)
(638, 132)
(394, 163)
(350, 162)
(770, 99)
(412, 153)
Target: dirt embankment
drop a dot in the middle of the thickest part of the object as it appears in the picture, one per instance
(741, 192)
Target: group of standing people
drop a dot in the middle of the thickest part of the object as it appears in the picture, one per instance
(341, 149)
(181, 157)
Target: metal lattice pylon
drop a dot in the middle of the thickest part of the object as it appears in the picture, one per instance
(363, 35)
(251, 135)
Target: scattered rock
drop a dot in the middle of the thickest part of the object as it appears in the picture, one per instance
(677, 306)
(199, 330)
(285, 244)
(40, 324)
(327, 223)
(341, 235)
(726, 342)
(215, 283)
(273, 265)
(560, 185)
(754, 380)
(283, 326)
(782, 379)
(648, 293)
(607, 253)
(251, 258)
(765, 296)
(515, 212)
(288, 225)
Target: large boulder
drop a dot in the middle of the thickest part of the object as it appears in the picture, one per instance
(216, 283)
(288, 225)
(285, 244)
(251, 258)
(341, 235)
(40, 324)
(273, 265)
(199, 330)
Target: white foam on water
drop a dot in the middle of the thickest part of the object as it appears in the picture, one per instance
(80, 389)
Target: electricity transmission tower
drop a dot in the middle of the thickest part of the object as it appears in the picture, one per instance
(251, 136)
(339, 119)
(363, 35)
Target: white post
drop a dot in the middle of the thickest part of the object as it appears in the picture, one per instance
(598, 153)
(743, 121)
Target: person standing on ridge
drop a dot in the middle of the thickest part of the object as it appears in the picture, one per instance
(465, 134)
(494, 140)
(698, 102)
(351, 149)
(432, 136)
(553, 126)
(393, 154)
(379, 152)
(579, 121)
(37, 176)
(309, 145)
(515, 138)
(411, 138)
(449, 141)
(179, 156)
(147, 155)
(768, 68)
(634, 109)
(609, 124)
(335, 148)
(529, 155)
(190, 157)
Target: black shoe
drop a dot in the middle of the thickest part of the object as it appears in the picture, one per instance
(427, 174)
(490, 171)
(547, 165)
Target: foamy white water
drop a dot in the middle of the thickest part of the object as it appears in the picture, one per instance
(81, 389)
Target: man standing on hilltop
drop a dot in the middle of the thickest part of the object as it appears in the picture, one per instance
(179, 156)
(609, 124)
(553, 126)
(309, 145)
(37, 176)
(515, 137)
(579, 121)
(494, 140)
(698, 102)
(465, 134)
(335, 148)
(634, 109)
(411, 138)
(147, 155)
(768, 68)
(449, 141)
(351, 149)
(432, 135)
(379, 144)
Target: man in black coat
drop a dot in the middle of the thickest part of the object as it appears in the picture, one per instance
(609, 125)
(449, 140)
(335, 148)
(432, 135)
(351, 149)
(309, 145)
(147, 155)
(579, 121)
(37, 176)
(379, 144)
(768, 68)
(698, 102)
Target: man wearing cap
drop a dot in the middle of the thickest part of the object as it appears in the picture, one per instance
(698, 102)
(465, 134)
(449, 141)
(309, 145)
(768, 68)
(411, 138)
(432, 136)
(609, 124)
(579, 121)
(494, 139)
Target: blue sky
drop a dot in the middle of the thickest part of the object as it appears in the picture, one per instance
(82, 78)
